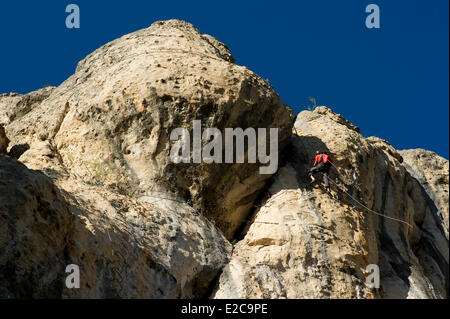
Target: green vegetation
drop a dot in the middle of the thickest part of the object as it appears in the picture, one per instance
(97, 171)
(312, 107)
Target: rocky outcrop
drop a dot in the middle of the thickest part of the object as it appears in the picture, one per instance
(87, 179)
(431, 171)
(117, 112)
(111, 201)
(13, 105)
(124, 248)
(305, 243)
(4, 141)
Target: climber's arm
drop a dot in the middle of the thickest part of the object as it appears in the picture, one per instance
(316, 160)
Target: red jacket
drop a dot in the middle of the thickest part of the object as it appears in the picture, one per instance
(322, 158)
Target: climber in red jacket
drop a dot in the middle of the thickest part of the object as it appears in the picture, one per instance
(322, 164)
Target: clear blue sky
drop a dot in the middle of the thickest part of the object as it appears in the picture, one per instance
(392, 82)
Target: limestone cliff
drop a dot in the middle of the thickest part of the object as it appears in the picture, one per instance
(86, 179)
(431, 170)
(305, 243)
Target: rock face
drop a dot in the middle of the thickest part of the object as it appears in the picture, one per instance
(124, 248)
(431, 170)
(111, 201)
(13, 106)
(87, 180)
(305, 243)
(4, 141)
(109, 124)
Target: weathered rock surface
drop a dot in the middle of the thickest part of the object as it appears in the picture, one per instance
(431, 170)
(109, 124)
(13, 105)
(88, 180)
(305, 243)
(124, 248)
(111, 201)
(4, 141)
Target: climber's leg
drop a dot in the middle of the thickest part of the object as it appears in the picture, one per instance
(311, 176)
(313, 171)
(325, 171)
(325, 181)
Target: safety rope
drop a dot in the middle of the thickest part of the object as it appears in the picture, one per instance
(357, 201)
(368, 209)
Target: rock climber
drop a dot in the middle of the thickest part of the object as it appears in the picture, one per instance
(322, 164)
